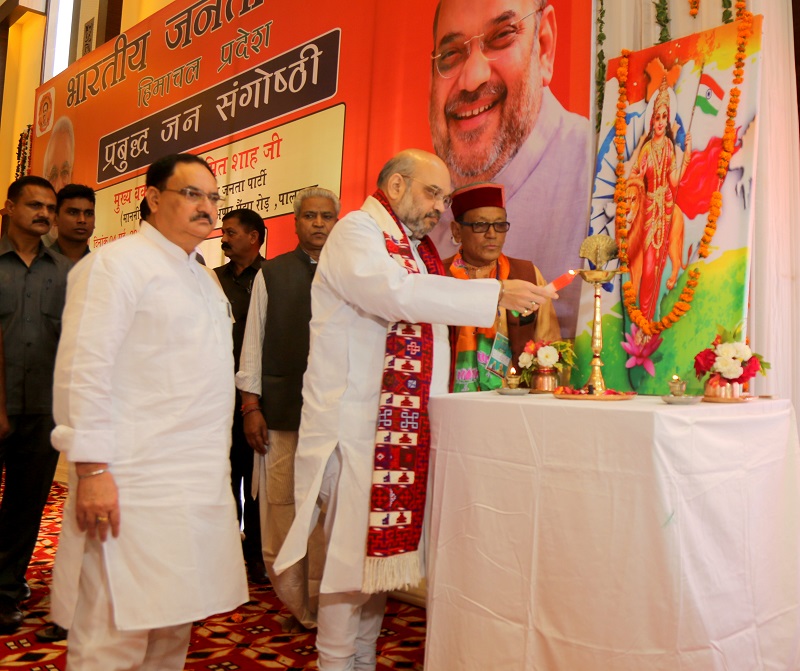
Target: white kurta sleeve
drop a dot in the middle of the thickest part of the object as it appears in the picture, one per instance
(248, 378)
(100, 307)
(357, 266)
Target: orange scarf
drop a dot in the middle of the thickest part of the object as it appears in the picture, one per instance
(473, 344)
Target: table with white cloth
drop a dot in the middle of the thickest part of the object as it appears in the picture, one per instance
(602, 536)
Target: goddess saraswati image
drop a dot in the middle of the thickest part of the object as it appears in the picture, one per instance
(654, 221)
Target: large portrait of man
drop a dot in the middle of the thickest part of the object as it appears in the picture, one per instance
(493, 117)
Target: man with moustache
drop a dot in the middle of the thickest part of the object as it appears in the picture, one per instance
(74, 221)
(270, 378)
(379, 349)
(33, 281)
(243, 235)
(494, 118)
(143, 400)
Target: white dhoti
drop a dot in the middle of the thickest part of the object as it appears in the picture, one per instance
(95, 643)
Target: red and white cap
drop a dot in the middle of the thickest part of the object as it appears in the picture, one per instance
(472, 196)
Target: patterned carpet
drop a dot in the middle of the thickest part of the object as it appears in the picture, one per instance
(249, 638)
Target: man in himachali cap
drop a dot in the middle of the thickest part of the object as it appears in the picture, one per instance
(480, 225)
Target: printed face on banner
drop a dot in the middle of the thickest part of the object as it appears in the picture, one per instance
(44, 121)
(495, 115)
(488, 72)
(59, 157)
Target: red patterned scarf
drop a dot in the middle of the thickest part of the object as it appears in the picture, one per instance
(403, 438)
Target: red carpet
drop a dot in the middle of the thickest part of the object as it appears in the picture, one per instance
(249, 638)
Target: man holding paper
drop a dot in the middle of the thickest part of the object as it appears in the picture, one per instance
(479, 225)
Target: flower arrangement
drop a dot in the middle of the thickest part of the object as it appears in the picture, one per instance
(543, 355)
(729, 360)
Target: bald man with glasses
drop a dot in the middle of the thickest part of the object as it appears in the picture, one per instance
(379, 350)
(480, 227)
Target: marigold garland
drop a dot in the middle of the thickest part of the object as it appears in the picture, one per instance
(694, 6)
(684, 303)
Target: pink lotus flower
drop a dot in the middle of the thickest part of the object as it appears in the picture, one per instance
(640, 348)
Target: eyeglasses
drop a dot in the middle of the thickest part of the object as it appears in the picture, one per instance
(65, 173)
(483, 226)
(196, 196)
(450, 61)
(434, 192)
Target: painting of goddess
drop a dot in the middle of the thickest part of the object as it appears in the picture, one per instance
(655, 222)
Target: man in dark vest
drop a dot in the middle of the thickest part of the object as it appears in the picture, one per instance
(270, 379)
(242, 237)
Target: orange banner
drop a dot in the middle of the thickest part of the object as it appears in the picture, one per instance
(275, 96)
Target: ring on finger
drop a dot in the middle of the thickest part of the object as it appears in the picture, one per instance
(101, 518)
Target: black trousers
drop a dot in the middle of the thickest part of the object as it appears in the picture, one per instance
(241, 478)
(28, 463)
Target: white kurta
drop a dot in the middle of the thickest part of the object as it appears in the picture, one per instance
(144, 381)
(358, 290)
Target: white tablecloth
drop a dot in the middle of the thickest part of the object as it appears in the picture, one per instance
(605, 536)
